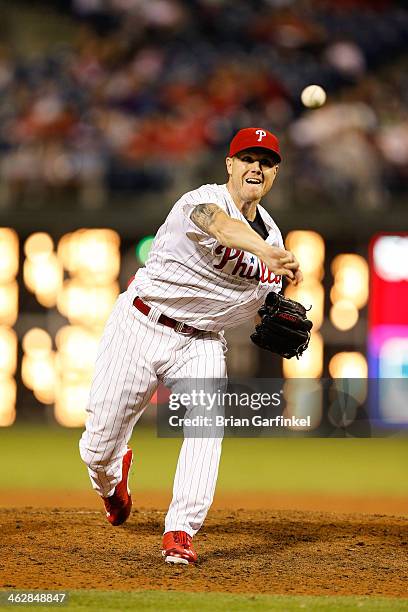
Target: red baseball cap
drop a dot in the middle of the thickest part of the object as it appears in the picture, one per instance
(249, 138)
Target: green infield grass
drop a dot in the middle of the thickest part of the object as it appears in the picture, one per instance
(48, 457)
(216, 602)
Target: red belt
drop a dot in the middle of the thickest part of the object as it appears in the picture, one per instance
(180, 328)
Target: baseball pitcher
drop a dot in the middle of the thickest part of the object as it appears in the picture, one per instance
(215, 259)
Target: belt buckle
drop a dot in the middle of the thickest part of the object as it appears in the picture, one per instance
(179, 327)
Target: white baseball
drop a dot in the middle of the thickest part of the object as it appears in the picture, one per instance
(313, 96)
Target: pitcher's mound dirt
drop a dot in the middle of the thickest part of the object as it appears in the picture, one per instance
(260, 551)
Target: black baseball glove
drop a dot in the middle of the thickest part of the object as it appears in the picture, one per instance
(284, 328)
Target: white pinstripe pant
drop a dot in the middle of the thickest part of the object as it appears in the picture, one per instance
(134, 355)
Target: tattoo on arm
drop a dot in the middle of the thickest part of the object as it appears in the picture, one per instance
(203, 214)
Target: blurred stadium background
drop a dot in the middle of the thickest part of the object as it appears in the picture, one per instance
(111, 109)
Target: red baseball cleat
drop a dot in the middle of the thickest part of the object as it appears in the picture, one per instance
(178, 548)
(119, 505)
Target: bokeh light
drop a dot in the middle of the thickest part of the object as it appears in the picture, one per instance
(37, 342)
(77, 347)
(348, 365)
(43, 276)
(91, 255)
(143, 248)
(86, 305)
(8, 254)
(350, 273)
(8, 393)
(9, 303)
(70, 404)
(38, 373)
(310, 364)
(390, 255)
(38, 245)
(310, 293)
(9, 263)
(343, 315)
(8, 352)
(309, 249)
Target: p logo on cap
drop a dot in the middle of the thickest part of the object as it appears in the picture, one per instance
(261, 133)
(250, 138)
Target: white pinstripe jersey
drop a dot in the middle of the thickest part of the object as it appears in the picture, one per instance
(192, 278)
